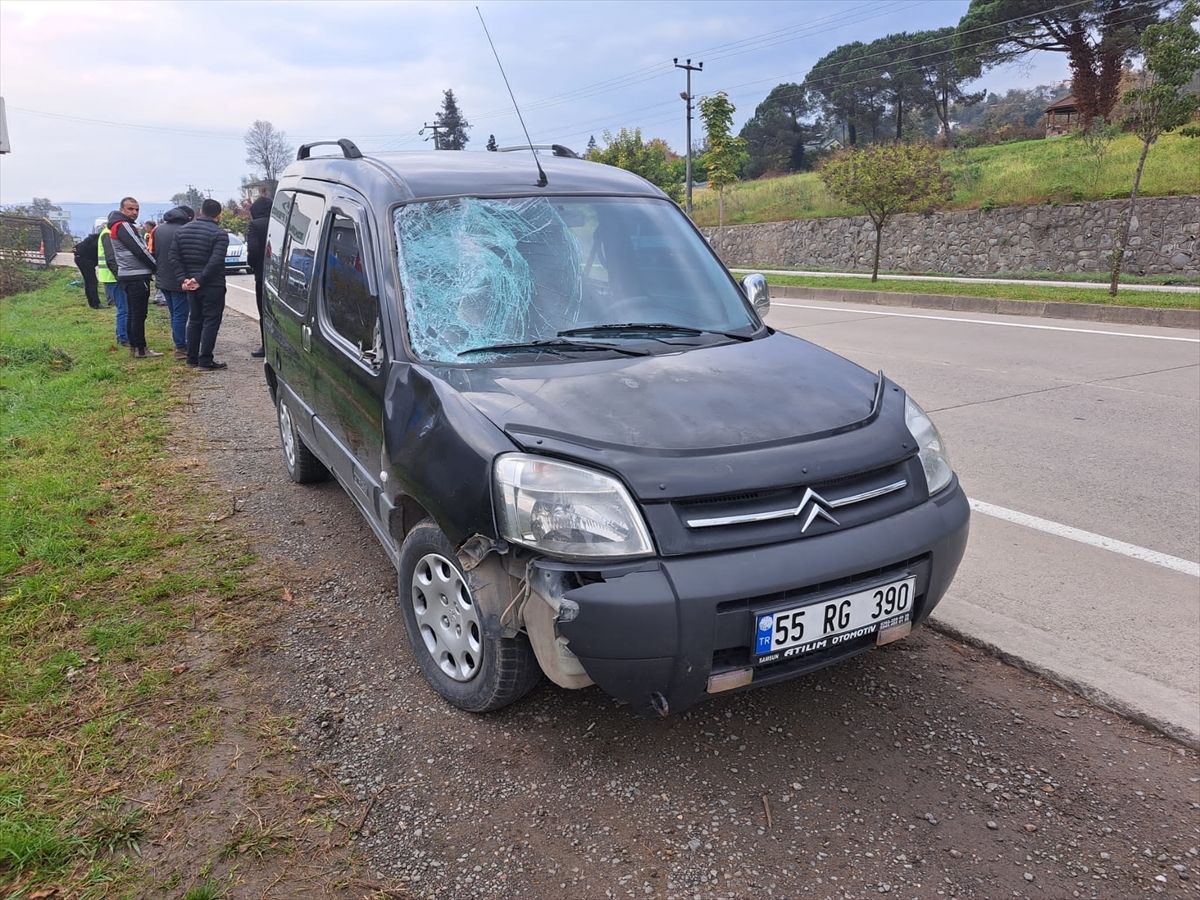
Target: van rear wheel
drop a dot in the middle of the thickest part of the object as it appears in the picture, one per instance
(469, 667)
(302, 466)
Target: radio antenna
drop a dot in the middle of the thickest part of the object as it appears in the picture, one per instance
(542, 181)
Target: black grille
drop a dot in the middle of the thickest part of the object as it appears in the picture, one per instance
(674, 536)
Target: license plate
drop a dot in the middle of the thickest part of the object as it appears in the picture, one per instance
(793, 632)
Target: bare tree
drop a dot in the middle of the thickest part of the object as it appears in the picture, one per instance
(268, 151)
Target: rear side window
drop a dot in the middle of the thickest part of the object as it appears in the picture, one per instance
(276, 234)
(300, 251)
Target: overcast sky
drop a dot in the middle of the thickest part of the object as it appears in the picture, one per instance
(106, 99)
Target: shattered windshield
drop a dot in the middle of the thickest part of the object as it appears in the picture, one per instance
(479, 273)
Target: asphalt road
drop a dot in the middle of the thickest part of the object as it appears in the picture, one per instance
(1079, 446)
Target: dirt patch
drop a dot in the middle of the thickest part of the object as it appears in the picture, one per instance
(925, 769)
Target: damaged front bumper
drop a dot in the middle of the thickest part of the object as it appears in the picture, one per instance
(662, 634)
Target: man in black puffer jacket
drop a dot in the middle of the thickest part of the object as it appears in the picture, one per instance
(198, 256)
(168, 280)
(86, 260)
(256, 245)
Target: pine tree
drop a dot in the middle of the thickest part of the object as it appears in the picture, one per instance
(591, 144)
(453, 126)
(491, 144)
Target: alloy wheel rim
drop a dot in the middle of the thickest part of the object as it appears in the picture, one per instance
(447, 618)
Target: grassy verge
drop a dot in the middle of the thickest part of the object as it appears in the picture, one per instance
(1048, 293)
(1062, 170)
(116, 569)
(1128, 280)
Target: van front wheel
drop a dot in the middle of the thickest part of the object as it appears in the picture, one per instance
(470, 668)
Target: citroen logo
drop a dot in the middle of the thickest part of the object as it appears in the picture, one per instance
(812, 505)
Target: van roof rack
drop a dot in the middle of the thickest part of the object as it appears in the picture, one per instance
(556, 149)
(349, 150)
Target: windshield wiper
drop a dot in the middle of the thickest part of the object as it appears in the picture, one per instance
(553, 345)
(650, 326)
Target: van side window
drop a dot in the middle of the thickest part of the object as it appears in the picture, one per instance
(276, 233)
(300, 252)
(352, 311)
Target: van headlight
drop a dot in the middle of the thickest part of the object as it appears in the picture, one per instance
(566, 510)
(932, 451)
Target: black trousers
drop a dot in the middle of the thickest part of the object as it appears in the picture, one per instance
(91, 287)
(258, 299)
(137, 290)
(206, 308)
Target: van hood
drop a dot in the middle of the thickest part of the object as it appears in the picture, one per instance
(704, 410)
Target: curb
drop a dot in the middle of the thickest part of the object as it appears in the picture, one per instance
(1080, 312)
(1173, 730)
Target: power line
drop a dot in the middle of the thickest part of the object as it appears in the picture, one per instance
(852, 16)
(864, 71)
(161, 129)
(664, 68)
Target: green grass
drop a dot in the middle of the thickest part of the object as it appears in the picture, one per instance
(1060, 170)
(209, 890)
(107, 561)
(1047, 293)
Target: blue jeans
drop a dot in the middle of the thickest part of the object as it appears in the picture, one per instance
(116, 294)
(177, 306)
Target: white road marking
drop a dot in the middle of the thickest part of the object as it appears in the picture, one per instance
(1185, 566)
(871, 312)
(240, 288)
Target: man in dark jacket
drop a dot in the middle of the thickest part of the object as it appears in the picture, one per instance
(86, 258)
(198, 256)
(170, 281)
(133, 265)
(256, 245)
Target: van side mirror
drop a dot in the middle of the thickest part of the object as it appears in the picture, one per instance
(754, 286)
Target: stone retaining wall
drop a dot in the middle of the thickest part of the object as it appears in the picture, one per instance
(1072, 237)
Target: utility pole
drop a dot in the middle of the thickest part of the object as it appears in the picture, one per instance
(437, 139)
(687, 97)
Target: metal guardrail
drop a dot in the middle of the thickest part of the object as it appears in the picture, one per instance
(32, 239)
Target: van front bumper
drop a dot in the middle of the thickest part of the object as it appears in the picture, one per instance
(654, 633)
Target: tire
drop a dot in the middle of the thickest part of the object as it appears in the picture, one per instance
(302, 466)
(470, 668)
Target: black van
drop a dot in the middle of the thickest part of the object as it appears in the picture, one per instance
(585, 453)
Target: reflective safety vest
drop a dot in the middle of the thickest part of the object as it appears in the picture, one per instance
(103, 272)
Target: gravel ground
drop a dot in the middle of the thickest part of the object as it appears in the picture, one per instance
(925, 769)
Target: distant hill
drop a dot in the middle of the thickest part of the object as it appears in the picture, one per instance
(84, 214)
